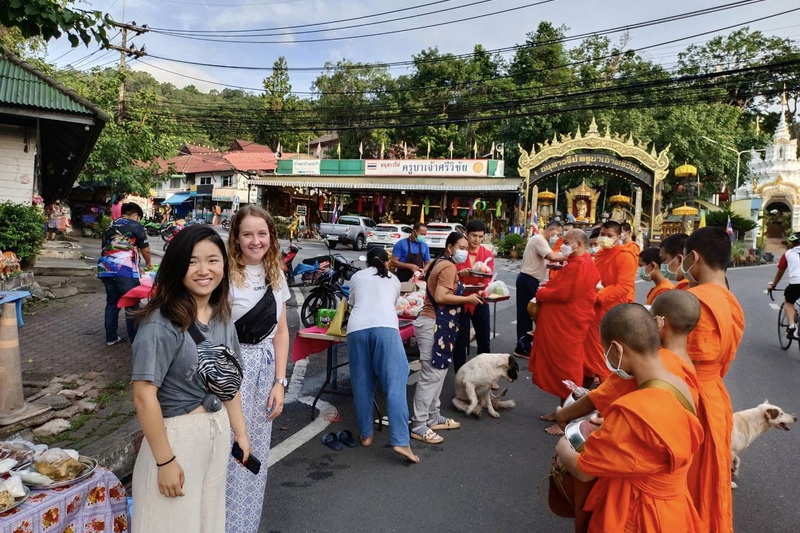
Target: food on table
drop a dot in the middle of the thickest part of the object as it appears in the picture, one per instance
(7, 464)
(58, 464)
(496, 289)
(410, 304)
(17, 451)
(6, 500)
(29, 477)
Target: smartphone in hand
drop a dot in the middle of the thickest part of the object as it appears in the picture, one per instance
(252, 464)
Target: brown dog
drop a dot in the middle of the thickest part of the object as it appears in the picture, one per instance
(752, 423)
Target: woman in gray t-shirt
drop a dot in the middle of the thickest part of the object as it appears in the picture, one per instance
(179, 476)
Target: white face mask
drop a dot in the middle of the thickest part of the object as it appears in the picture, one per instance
(687, 271)
(594, 249)
(618, 370)
(606, 242)
(566, 250)
(459, 256)
(553, 239)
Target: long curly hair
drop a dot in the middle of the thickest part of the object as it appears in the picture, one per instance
(273, 263)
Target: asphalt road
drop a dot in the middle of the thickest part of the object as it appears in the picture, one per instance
(487, 476)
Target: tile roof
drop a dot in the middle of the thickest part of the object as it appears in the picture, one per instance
(249, 146)
(195, 163)
(23, 85)
(196, 149)
(244, 160)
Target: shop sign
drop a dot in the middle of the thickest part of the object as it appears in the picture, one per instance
(579, 161)
(301, 211)
(305, 167)
(426, 167)
(223, 195)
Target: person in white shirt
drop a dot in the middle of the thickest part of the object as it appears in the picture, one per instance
(258, 295)
(790, 262)
(376, 351)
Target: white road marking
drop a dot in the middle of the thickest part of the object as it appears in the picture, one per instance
(304, 435)
(775, 306)
(296, 382)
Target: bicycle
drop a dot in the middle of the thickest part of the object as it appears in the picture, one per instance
(784, 338)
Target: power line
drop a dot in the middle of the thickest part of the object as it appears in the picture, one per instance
(507, 49)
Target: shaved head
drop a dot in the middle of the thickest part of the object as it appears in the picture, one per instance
(650, 255)
(633, 326)
(612, 226)
(681, 309)
(577, 235)
(673, 245)
(713, 244)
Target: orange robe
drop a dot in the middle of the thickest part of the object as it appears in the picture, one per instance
(618, 267)
(641, 455)
(552, 273)
(712, 346)
(682, 285)
(566, 310)
(664, 286)
(615, 387)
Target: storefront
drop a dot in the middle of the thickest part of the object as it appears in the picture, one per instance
(394, 190)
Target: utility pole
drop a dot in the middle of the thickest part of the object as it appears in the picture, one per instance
(126, 51)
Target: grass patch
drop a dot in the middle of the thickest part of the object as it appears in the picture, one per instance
(117, 386)
(78, 422)
(69, 385)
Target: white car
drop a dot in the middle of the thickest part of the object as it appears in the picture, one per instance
(387, 235)
(438, 232)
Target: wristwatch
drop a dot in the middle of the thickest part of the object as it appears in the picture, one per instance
(282, 381)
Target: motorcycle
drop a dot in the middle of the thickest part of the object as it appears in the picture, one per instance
(288, 257)
(153, 229)
(168, 233)
(329, 290)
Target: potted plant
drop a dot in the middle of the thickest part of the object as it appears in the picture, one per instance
(514, 244)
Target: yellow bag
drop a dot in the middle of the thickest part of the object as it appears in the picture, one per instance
(338, 327)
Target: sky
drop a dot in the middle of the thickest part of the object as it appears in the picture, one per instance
(491, 27)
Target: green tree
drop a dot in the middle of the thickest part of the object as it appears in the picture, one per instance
(50, 19)
(283, 113)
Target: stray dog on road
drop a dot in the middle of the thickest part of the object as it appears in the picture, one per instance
(474, 383)
(750, 424)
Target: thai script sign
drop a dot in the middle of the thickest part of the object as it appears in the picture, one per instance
(305, 167)
(426, 167)
(610, 163)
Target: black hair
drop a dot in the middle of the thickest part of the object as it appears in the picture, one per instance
(132, 208)
(625, 226)
(418, 225)
(170, 295)
(553, 224)
(612, 225)
(377, 257)
(674, 244)
(595, 233)
(476, 225)
(650, 255)
(452, 239)
(632, 325)
(712, 244)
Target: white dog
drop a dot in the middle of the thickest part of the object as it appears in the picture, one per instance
(750, 424)
(474, 383)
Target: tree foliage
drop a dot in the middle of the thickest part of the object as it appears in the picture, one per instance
(50, 19)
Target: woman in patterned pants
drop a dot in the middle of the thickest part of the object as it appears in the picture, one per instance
(259, 294)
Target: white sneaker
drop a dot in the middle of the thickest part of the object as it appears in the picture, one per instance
(115, 341)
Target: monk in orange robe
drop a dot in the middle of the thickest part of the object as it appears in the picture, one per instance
(712, 347)
(554, 268)
(650, 270)
(627, 239)
(671, 254)
(566, 309)
(642, 452)
(676, 313)
(617, 266)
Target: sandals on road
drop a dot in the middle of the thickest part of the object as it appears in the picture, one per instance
(445, 423)
(429, 436)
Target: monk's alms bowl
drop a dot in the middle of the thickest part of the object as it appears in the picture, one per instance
(577, 433)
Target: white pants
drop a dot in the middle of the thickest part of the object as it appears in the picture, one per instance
(201, 444)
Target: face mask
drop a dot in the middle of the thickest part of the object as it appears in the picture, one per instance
(644, 275)
(606, 242)
(460, 256)
(553, 239)
(618, 371)
(420, 238)
(672, 276)
(594, 249)
(686, 271)
(566, 250)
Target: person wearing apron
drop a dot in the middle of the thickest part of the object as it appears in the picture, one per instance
(436, 330)
(411, 254)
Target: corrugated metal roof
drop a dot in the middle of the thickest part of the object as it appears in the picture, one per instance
(394, 183)
(23, 85)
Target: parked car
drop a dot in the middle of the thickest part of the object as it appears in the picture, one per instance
(438, 232)
(349, 229)
(387, 235)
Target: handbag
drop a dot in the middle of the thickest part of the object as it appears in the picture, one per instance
(338, 327)
(217, 366)
(259, 322)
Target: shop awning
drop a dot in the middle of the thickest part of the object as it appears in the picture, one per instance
(177, 199)
(393, 183)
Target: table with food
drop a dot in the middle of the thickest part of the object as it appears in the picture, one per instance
(54, 489)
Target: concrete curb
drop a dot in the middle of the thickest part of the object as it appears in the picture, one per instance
(117, 451)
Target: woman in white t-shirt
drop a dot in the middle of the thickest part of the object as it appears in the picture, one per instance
(258, 308)
(376, 351)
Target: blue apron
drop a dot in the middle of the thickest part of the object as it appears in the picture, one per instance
(445, 330)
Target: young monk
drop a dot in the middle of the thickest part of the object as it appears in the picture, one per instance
(711, 347)
(626, 238)
(642, 452)
(572, 294)
(676, 313)
(671, 253)
(617, 266)
(650, 270)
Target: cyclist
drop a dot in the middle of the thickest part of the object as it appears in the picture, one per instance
(790, 261)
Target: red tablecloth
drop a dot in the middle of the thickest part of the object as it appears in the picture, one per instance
(303, 347)
(134, 296)
(96, 504)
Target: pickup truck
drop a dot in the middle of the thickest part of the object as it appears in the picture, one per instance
(349, 229)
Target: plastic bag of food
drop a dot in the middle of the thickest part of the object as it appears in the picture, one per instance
(7, 464)
(29, 477)
(58, 464)
(400, 305)
(496, 289)
(13, 486)
(481, 268)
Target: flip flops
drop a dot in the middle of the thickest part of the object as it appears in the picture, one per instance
(336, 441)
(330, 440)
